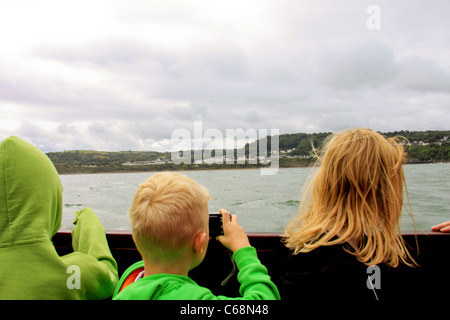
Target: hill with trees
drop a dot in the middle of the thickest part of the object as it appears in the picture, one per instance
(295, 150)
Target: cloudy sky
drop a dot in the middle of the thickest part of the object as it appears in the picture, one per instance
(124, 74)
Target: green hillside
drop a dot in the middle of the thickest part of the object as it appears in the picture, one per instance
(295, 150)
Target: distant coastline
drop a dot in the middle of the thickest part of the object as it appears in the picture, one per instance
(210, 169)
(295, 151)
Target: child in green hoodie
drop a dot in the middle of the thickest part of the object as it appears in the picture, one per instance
(30, 214)
(169, 218)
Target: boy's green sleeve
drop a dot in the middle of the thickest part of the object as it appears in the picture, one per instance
(89, 241)
(253, 276)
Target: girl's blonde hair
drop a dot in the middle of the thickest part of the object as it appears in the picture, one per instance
(167, 210)
(357, 192)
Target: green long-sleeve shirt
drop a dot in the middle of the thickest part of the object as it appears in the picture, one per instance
(253, 277)
(30, 214)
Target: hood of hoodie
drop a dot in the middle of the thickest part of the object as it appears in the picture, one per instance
(30, 194)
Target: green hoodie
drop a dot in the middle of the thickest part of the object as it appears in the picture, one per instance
(253, 277)
(30, 214)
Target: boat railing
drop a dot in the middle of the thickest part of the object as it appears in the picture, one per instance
(433, 254)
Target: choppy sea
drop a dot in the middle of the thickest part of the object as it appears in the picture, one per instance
(262, 202)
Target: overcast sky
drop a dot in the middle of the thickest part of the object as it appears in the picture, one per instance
(123, 75)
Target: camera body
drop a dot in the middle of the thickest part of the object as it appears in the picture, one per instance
(215, 224)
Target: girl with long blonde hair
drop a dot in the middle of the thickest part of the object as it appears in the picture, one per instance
(356, 194)
(354, 201)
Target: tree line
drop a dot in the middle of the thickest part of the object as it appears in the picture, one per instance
(296, 150)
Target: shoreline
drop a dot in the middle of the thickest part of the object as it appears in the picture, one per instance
(181, 170)
(220, 169)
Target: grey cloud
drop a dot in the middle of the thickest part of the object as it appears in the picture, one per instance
(106, 53)
(47, 140)
(421, 74)
(358, 65)
(208, 70)
(301, 68)
(189, 113)
(67, 129)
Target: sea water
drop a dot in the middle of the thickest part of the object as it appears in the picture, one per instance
(262, 202)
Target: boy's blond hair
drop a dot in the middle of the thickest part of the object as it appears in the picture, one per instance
(167, 210)
(357, 191)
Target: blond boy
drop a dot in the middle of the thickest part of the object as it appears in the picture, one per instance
(169, 218)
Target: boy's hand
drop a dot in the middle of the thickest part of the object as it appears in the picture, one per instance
(234, 236)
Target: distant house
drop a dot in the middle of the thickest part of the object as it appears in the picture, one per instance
(146, 163)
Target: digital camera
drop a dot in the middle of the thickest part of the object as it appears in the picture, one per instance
(215, 224)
